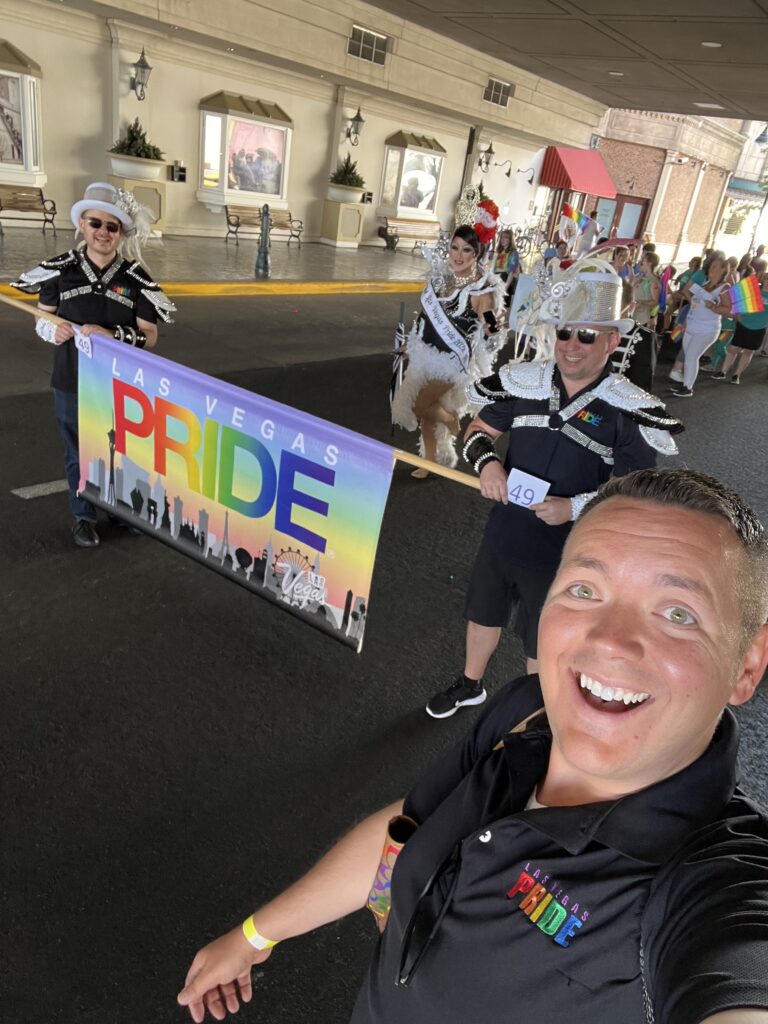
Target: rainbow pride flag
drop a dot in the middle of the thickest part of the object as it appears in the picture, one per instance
(745, 296)
(679, 329)
(664, 293)
(580, 219)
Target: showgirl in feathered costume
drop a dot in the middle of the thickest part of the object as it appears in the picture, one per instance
(451, 343)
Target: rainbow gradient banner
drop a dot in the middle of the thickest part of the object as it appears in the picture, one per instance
(287, 505)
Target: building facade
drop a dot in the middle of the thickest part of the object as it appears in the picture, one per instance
(303, 71)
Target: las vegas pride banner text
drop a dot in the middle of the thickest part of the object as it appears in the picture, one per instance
(285, 504)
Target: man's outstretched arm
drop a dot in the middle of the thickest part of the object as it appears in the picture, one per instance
(337, 885)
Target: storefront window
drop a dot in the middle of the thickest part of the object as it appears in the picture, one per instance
(245, 148)
(410, 180)
(20, 150)
(420, 180)
(11, 139)
(391, 177)
(255, 157)
(212, 151)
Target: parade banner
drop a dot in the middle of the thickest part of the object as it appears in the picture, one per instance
(285, 504)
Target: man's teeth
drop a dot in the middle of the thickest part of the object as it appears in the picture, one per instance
(608, 693)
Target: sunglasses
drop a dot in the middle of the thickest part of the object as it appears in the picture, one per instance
(96, 223)
(585, 336)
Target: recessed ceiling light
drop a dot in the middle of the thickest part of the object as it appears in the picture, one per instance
(174, 28)
(616, 74)
(713, 46)
(709, 106)
(230, 49)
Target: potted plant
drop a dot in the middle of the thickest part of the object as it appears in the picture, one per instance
(134, 156)
(346, 182)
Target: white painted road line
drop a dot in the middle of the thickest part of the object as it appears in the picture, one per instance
(40, 490)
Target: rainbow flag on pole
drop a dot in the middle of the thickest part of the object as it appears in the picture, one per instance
(664, 293)
(679, 329)
(580, 219)
(745, 296)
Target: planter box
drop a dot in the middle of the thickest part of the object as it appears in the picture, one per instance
(345, 193)
(135, 167)
(342, 224)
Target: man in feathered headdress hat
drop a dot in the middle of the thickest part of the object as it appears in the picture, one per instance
(572, 424)
(98, 286)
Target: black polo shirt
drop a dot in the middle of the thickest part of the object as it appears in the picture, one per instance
(570, 468)
(537, 917)
(111, 297)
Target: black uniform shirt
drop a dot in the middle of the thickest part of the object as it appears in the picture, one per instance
(570, 468)
(116, 300)
(537, 917)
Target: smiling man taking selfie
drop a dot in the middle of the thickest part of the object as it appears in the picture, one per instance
(585, 853)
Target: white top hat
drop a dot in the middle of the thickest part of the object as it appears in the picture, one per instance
(100, 195)
(589, 293)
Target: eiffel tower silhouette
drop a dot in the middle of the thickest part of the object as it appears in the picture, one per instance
(111, 489)
(224, 550)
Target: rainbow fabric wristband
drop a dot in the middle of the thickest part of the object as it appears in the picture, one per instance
(256, 940)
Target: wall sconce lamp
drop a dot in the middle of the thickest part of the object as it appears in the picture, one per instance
(508, 171)
(142, 69)
(355, 127)
(529, 171)
(484, 162)
(762, 138)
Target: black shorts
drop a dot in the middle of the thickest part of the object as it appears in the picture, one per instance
(497, 585)
(747, 338)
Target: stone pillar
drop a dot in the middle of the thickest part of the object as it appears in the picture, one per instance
(691, 207)
(658, 199)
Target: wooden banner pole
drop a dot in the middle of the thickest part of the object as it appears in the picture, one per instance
(31, 308)
(438, 470)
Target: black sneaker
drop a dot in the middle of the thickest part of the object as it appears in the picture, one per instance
(85, 535)
(718, 375)
(684, 393)
(460, 695)
(735, 379)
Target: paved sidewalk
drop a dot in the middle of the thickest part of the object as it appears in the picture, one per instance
(176, 258)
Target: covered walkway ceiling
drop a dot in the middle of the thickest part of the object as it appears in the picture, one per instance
(648, 56)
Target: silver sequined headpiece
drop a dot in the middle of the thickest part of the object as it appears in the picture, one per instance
(588, 292)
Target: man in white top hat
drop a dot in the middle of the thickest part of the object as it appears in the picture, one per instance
(572, 424)
(99, 286)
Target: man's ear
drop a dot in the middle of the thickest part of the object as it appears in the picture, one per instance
(752, 667)
(613, 343)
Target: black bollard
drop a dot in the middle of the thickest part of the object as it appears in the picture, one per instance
(262, 257)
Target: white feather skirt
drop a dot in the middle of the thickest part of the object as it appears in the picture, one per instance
(426, 363)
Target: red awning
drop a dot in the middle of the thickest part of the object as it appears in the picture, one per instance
(578, 170)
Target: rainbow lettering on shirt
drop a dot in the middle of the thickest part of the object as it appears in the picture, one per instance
(589, 417)
(544, 904)
(121, 289)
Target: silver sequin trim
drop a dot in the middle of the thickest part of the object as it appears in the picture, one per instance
(71, 293)
(606, 454)
(530, 421)
(123, 299)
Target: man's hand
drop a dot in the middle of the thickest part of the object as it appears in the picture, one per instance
(553, 511)
(88, 329)
(493, 482)
(220, 976)
(64, 332)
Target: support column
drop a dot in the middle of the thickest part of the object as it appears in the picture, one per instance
(658, 200)
(691, 207)
(720, 207)
(114, 81)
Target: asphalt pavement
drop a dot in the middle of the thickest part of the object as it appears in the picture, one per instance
(174, 750)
